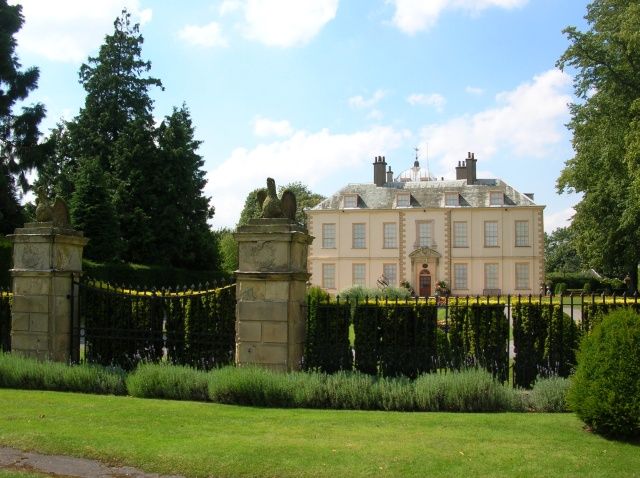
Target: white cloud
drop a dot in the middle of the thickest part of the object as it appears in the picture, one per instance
(283, 23)
(474, 90)
(229, 6)
(69, 30)
(526, 121)
(412, 16)
(434, 99)
(263, 127)
(360, 101)
(312, 158)
(375, 115)
(206, 36)
(558, 219)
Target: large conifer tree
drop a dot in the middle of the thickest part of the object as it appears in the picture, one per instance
(19, 149)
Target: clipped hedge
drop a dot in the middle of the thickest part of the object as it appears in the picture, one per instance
(5, 320)
(545, 342)
(393, 338)
(605, 390)
(327, 346)
(479, 335)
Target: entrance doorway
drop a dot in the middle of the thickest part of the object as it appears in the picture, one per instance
(425, 283)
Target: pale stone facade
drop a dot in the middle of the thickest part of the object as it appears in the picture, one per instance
(271, 294)
(480, 236)
(45, 258)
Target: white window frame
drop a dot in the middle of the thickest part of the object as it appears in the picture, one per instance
(329, 235)
(491, 276)
(403, 200)
(356, 277)
(522, 275)
(496, 198)
(389, 235)
(490, 237)
(522, 235)
(390, 271)
(460, 234)
(451, 199)
(329, 276)
(428, 242)
(358, 241)
(350, 201)
(460, 276)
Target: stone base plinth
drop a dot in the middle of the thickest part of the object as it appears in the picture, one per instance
(271, 294)
(45, 260)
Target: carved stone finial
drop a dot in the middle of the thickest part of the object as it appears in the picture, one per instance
(44, 212)
(60, 213)
(272, 207)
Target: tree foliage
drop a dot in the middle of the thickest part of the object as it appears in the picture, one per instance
(560, 252)
(19, 133)
(152, 176)
(605, 123)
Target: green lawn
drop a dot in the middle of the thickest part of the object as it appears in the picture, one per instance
(204, 439)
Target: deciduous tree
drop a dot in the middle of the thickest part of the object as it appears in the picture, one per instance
(605, 122)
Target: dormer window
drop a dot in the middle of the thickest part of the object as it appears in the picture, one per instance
(451, 199)
(496, 198)
(350, 201)
(403, 200)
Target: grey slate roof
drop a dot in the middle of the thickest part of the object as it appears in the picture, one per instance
(427, 194)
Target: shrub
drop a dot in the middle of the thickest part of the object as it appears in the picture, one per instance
(586, 288)
(168, 381)
(251, 386)
(605, 391)
(560, 288)
(6, 259)
(25, 373)
(350, 391)
(470, 390)
(549, 395)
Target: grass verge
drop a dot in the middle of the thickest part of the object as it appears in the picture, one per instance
(203, 439)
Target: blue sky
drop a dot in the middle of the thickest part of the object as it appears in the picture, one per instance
(312, 90)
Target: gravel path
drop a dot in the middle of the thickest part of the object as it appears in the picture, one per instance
(65, 466)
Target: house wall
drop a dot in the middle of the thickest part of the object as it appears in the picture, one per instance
(374, 255)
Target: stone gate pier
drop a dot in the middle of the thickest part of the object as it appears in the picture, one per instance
(271, 293)
(45, 258)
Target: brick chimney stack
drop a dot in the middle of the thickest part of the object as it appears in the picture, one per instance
(471, 168)
(461, 170)
(379, 171)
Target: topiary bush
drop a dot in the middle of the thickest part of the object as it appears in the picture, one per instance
(605, 390)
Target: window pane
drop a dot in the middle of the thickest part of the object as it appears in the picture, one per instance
(425, 234)
(491, 276)
(329, 236)
(359, 236)
(403, 200)
(490, 234)
(359, 274)
(390, 237)
(460, 276)
(390, 271)
(496, 198)
(522, 233)
(522, 276)
(459, 234)
(350, 201)
(329, 276)
(451, 199)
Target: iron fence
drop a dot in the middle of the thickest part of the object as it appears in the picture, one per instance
(122, 325)
(516, 338)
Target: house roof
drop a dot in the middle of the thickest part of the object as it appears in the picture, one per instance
(428, 194)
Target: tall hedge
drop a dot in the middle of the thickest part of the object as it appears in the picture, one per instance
(327, 346)
(5, 321)
(6, 259)
(545, 342)
(479, 335)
